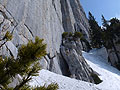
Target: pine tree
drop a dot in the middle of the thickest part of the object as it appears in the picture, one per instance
(105, 23)
(105, 33)
(111, 32)
(95, 32)
(26, 65)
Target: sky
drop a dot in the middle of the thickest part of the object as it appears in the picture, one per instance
(107, 8)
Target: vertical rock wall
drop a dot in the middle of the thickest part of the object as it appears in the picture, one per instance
(47, 19)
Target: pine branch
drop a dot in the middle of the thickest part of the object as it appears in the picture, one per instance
(24, 81)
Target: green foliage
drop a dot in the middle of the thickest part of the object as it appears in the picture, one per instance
(78, 35)
(26, 64)
(70, 34)
(8, 36)
(3, 81)
(112, 34)
(105, 23)
(32, 51)
(25, 87)
(111, 31)
(95, 32)
(65, 34)
(96, 79)
(107, 36)
(49, 87)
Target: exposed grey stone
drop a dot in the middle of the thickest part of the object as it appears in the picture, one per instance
(114, 53)
(55, 66)
(44, 64)
(1, 18)
(12, 48)
(48, 19)
(78, 67)
(43, 18)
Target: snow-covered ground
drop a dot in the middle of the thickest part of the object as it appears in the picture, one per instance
(97, 59)
(110, 75)
(65, 83)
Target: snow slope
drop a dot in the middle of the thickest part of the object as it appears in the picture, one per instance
(65, 83)
(97, 59)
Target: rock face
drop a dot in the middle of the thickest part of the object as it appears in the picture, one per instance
(78, 67)
(114, 55)
(47, 19)
(73, 17)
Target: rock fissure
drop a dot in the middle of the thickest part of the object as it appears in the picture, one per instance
(66, 20)
(9, 51)
(11, 19)
(29, 30)
(53, 2)
(66, 72)
(4, 15)
(13, 22)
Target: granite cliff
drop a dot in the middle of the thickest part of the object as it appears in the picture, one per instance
(48, 19)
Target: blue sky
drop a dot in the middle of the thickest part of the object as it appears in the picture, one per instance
(109, 8)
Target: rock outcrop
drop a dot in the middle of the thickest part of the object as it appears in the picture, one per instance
(114, 55)
(71, 53)
(47, 19)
